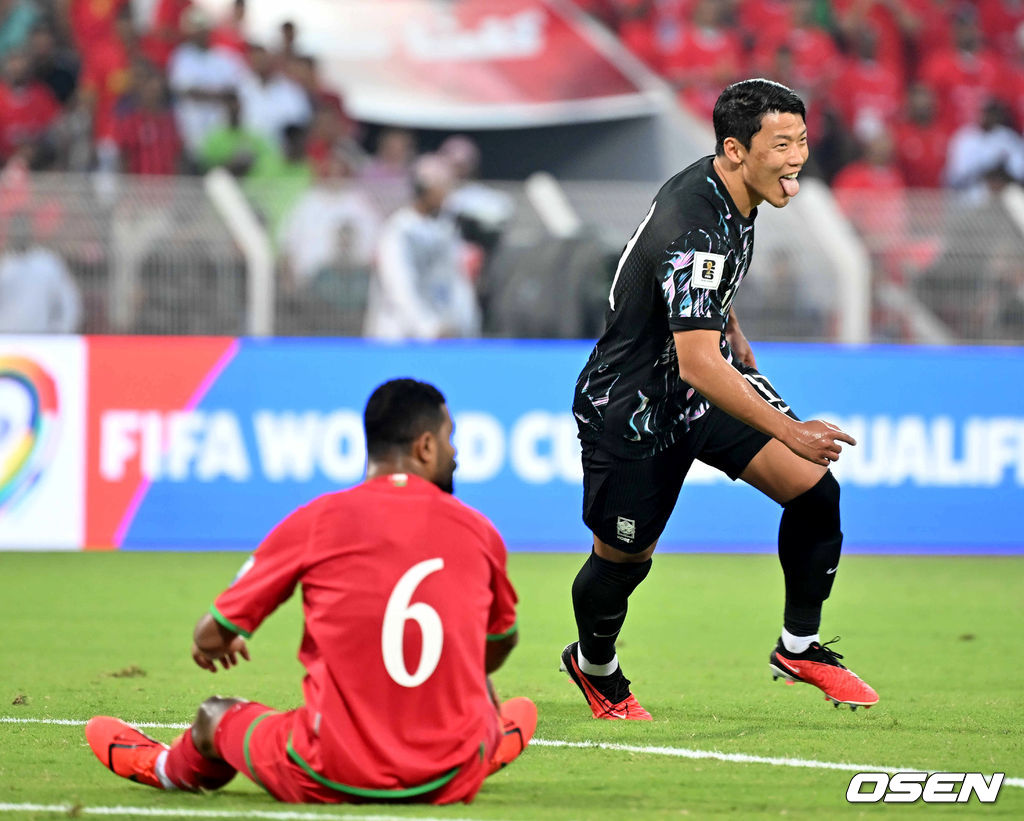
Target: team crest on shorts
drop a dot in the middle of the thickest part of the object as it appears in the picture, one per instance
(625, 529)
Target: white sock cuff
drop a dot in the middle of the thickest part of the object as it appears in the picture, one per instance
(797, 644)
(592, 669)
(161, 771)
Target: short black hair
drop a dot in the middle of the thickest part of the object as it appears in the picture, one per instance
(398, 412)
(742, 106)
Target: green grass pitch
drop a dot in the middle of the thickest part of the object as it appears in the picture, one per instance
(941, 639)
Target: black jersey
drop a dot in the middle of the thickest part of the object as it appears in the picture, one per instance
(679, 271)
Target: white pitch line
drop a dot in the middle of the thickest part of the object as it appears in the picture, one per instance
(184, 812)
(675, 752)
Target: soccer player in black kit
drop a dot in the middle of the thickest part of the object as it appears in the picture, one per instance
(673, 379)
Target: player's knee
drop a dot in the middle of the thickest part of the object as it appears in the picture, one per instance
(820, 501)
(207, 720)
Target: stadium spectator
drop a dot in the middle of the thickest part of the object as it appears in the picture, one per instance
(890, 23)
(28, 112)
(707, 56)
(52, 65)
(329, 238)
(332, 120)
(921, 140)
(421, 289)
(964, 75)
(270, 100)
(37, 292)
(1011, 83)
(229, 34)
(235, 147)
(816, 61)
(289, 40)
(871, 190)
(167, 29)
(201, 78)
(979, 148)
(1002, 23)
(673, 379)
(277, 180)
(868, 93)
(481, 212)
(17, 19)
(146, 135)
(369, 729)
(392, 158)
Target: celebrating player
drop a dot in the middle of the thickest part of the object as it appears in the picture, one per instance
(673, 379)
(392, 711)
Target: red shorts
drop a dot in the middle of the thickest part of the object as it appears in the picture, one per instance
(252, 738)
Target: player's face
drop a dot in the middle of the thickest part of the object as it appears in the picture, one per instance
(777, 153)
(444, 466)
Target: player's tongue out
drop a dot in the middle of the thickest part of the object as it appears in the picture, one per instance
(790, 185)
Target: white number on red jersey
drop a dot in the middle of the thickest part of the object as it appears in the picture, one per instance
(397, 612)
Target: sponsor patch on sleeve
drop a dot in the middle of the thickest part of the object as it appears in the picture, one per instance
(707, 270)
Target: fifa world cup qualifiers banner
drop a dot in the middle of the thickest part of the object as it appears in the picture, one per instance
(205, 443)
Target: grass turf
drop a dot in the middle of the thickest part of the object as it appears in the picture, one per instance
(939, 638)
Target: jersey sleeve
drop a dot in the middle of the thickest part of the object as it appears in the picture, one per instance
(268, 577)
(690, 272)
(501, 621)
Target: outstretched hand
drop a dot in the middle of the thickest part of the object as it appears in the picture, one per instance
(818, 441)
(227, 655)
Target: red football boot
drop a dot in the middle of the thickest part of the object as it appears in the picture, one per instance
(819, 665)
(608, 696)
(518, 720)
(124, 750)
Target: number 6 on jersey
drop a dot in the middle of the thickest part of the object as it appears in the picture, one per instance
(397, 612)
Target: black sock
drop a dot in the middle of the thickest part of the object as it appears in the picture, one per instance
(810, 542)
(599, 595)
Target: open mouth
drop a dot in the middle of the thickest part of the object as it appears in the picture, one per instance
(790, 185)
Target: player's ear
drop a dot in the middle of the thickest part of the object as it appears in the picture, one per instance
(733, 150)
(424, 447)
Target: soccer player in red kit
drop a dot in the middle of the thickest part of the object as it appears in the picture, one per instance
(407, 609)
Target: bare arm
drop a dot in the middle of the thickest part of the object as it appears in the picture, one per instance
(212, 642)
(701, 365)
(498, 650)
(738, 341)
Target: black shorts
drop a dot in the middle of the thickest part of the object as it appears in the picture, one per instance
(626, 503)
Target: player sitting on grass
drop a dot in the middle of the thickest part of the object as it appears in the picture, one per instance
(673, 379)
(392, 711)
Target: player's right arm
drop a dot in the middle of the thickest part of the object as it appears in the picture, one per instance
(265, 581)
(702, 366)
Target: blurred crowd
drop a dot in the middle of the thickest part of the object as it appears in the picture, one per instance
(900, 93)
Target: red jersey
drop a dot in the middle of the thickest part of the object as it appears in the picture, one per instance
(25, 114)
(149, 142)
(402, 586)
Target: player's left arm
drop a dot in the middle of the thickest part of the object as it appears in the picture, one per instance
(502, 626)
(738, 341)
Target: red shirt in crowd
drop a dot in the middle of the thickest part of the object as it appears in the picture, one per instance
(872, 196)
(1000, 22)
(921, 152)
(867, 89)
(402, 585)
(92, 23)
(25, 114)
(149, 142)
(962, 83)
(105, 78)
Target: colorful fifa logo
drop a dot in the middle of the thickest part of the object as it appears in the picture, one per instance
(28, 426)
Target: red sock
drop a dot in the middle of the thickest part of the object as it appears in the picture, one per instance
(190, 770)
